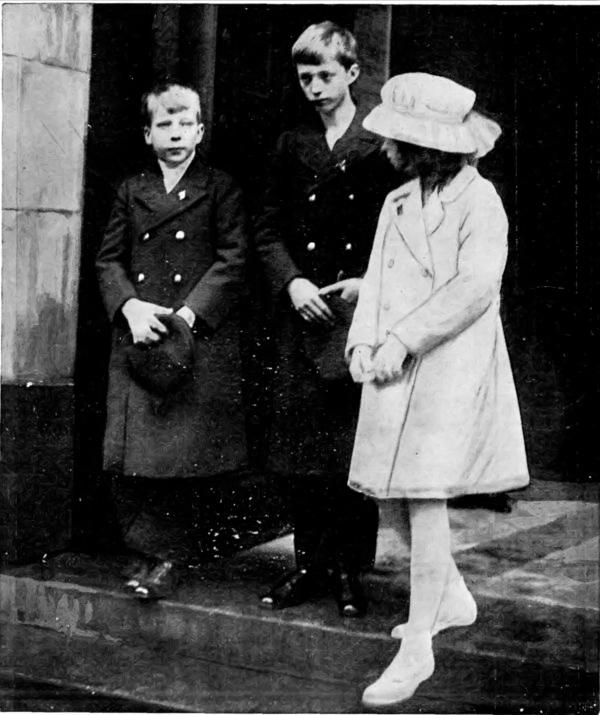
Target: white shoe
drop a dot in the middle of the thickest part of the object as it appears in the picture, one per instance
(458, 608)
(399, 680)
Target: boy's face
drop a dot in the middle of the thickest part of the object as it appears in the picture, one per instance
(175, 130)
(326, 85)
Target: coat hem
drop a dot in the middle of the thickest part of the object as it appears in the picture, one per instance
(412, 493)
(234, 468)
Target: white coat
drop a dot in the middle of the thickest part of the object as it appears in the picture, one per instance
(450, 425)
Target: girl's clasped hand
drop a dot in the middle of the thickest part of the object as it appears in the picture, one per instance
(380, 365)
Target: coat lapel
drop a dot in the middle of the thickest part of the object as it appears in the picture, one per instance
(435, 209)
(433, 213)
(312, 149)
(406, 215)
(161, 207)
(355, 142)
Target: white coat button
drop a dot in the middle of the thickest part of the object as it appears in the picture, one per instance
(311, 246)
(386, 305)
(146, 236)
(177, 278)
(425, 272)
(348, 246)
(141, 278)
(391, 263)
(351, 197)
(312, 197)
(180, 235)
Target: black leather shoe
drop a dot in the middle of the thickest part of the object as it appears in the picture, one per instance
(292, 590)
(137, 572)
(348, 593)
(160, 582)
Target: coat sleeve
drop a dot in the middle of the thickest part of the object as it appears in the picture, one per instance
(114, 256)
(458, 303)
(219, 289)
(363, 330)
(273, 255)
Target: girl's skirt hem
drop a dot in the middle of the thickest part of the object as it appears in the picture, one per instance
(506, 485)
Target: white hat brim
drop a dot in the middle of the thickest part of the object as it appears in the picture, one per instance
(476, 135)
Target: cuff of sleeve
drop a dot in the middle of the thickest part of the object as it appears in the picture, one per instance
(354, 342)
(402, 334)
(117, 313)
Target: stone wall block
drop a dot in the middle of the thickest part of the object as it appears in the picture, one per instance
(9, 291)
(52, 120)
(44, 252)
(52, 33)
(10, 126)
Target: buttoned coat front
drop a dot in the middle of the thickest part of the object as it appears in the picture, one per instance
(450, 424)
(318, 221)
(185, 247)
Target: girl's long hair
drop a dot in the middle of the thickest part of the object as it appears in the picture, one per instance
(434, 168)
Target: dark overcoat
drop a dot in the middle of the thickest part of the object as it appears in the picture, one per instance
(186, 247)
(318, 221)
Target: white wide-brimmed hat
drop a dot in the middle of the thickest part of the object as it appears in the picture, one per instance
(433, 112)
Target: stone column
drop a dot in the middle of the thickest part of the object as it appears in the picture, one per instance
(46, 65)
(372, 29)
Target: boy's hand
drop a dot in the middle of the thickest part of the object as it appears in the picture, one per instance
(348, 289)
(307, 301)
(145, 327)
(389, 359)
(361, 364)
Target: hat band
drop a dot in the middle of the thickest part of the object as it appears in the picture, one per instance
(431, 115)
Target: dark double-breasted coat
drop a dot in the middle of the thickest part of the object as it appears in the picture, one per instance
(318, 221)
(185, 247)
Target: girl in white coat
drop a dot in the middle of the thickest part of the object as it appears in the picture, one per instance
(439, 415)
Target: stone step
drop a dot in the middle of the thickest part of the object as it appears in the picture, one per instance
(100, 675)
(158, 679)
(20, 693)
(529, 646)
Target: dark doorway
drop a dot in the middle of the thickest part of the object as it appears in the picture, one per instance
(121, 69)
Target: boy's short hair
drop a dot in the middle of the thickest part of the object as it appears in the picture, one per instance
(184, 95)
(309, 47)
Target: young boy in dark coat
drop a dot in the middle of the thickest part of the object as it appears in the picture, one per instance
(314, 235)
(171, 265)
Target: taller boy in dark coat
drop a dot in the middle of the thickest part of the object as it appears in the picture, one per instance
(175, 244)
(314, 236)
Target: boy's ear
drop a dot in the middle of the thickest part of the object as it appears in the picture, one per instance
(200, 133)
(353, 72)
(147, 135)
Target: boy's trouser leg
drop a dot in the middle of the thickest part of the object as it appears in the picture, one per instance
(155, 517)
(351, 525)
(307, 496)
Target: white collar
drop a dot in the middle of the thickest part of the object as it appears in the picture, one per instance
(172, 174)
